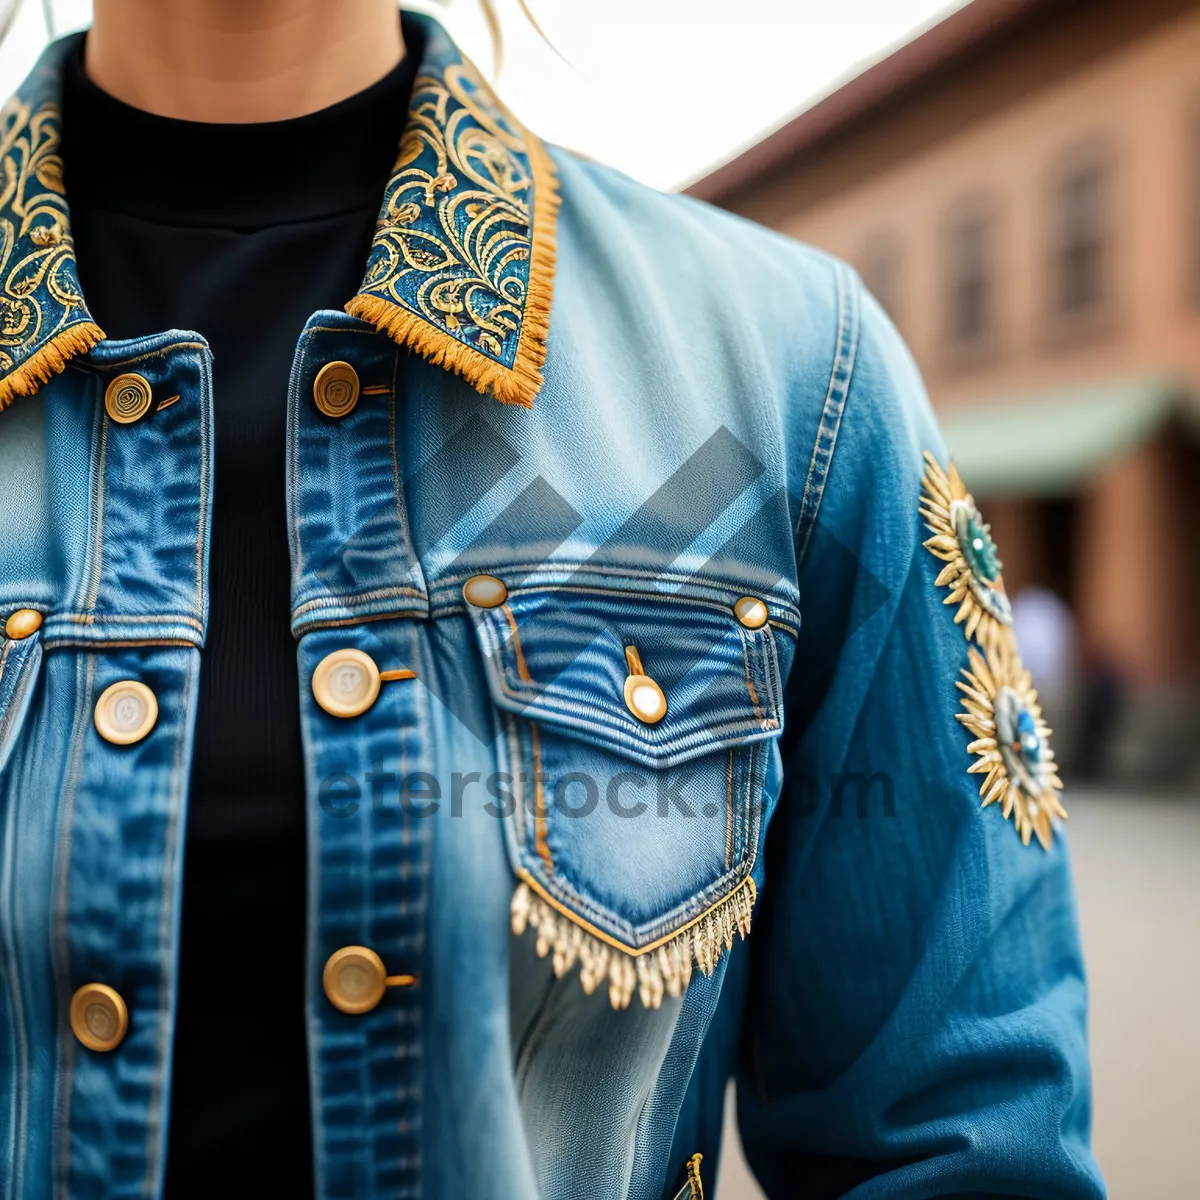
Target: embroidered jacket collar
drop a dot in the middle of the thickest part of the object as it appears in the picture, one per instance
(461, 268)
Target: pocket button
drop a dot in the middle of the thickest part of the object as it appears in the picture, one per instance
(485, 591)
(751, 612)
(643, 697)
(22, 624)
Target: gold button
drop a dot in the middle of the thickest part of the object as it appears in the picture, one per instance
(99, 1017)
(22, 623)
(127, 398)
(485, 591)
(751, 612)
(346, 683)
(335, 389)
(643, 697)
(355, 979)
(125, 712)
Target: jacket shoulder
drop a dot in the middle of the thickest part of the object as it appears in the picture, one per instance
(719, 266)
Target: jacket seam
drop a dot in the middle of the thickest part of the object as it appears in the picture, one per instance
(203, 523)
(655, 597)
(85, 676)
(89, 581)
(89, 367)
(91, 618)
(729, 813)
(840, 376)
(17, 1033)
(348, 600)
(168, 975)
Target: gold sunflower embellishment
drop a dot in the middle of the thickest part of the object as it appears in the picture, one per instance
(964, 543)
(1012, 743)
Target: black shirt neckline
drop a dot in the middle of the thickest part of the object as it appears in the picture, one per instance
(231, 176)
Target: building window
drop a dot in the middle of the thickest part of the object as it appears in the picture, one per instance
(879, 267)
(970, 280)
(1082, 239)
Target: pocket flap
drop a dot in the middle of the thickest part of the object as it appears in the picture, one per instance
(558, 655)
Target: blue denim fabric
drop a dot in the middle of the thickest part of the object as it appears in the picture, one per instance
(723, 413)
(90, 874)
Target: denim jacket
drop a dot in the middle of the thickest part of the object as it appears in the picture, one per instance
(662, 718)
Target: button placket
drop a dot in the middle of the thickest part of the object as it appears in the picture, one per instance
(357, 585)
(136, 611)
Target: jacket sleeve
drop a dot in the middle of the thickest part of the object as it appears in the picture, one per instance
(916, 1013)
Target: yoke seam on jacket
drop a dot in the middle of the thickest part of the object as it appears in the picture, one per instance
(840, 376)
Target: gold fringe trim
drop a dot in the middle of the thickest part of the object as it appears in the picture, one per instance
(48, 360)
(522, 382)
(662, 968)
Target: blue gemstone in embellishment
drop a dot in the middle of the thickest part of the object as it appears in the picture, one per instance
(1019, 741)
(1031, 744)
(979, 549)
(982, 560)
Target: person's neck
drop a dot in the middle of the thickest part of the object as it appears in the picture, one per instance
(240, 61)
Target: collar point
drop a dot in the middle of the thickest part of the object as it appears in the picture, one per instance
(517, 385)
(26, 376)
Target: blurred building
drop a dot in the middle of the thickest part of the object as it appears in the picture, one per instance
(1020, 187)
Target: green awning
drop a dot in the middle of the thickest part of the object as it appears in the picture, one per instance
(1052, 443)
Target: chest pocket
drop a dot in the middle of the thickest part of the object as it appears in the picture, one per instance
(637, 732)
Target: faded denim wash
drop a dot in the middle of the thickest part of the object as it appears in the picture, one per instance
(720, 413)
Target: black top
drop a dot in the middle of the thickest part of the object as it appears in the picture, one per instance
(239, 233)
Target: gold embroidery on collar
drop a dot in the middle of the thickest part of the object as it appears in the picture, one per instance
(462, 262)
(664, 967)
(43, 322)
(461, 267)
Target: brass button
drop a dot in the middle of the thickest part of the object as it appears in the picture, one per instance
(127, 398)
(751, 612)
(355, 979)
(335, 389)
(346, 683)
(23, 623)
(485, 591)
(125, 712)
(643, 697)
(99, 1017)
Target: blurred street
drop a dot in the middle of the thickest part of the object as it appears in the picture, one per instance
(1137, 867)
